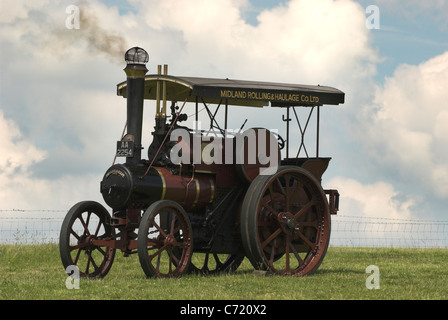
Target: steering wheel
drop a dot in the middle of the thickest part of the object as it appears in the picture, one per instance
(281, 141)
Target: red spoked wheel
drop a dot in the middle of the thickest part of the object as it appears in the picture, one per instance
(86, 224)
(285, 222)
(165, 240)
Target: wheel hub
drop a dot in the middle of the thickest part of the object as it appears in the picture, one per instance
(169, 241)
(288, 224)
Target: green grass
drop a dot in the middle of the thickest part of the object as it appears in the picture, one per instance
(35, 272)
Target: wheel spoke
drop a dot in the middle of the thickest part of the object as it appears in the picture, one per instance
(271, 258)
(267, 206)
(312, 224)
(288, 194)
(173, 257)
(307, 241)
(86, 229)
(205, 265)
(101, 251)
(178, 244)
(162, 232)
(304, 209)
(77, 256)
(270, 238)
(78, 246)
(152, 243)
(89, 214)
(98, 228)
(157, 253)
(218, 262)
(72, 232)
(296, 254)
(279, 184)
(287, 262)
(88, 263)
(158, 260)
(95, 266)
(173, 221)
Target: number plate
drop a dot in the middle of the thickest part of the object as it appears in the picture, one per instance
(125, 148)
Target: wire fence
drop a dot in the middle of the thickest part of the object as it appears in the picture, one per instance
(30, 226)
(43, 226)
(352, 231)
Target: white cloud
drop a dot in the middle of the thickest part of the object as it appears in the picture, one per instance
(404, 129)
(301, 41)
(378, 199)
(14, 9)
(17, 154)
(21, 189)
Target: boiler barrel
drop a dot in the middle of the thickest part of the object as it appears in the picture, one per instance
(128, 187)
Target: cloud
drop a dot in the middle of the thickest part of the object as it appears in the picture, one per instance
(404, 129)
(17, 154)
(22, 189)
(309, 41)
(378, 199)
(12, 9)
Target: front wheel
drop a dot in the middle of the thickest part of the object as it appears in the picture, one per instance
(85, 224)
(165, 240)
(285, 222)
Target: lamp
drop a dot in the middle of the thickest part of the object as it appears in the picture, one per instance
(136, 55)
(136, 59)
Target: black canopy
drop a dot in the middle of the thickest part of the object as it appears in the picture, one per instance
(239, 92)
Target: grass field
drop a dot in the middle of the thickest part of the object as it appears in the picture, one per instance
(34, 272)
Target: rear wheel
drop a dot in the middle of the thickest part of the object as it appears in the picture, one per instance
(285, 222)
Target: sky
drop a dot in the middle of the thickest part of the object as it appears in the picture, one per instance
(60, 117)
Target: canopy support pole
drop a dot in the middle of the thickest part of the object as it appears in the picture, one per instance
(317, 133)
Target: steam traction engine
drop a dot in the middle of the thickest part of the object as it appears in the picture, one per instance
(187, 210)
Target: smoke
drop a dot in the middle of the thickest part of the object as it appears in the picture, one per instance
(99, 40)
(45, 30)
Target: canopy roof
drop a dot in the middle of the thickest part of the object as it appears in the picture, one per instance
(238, 92)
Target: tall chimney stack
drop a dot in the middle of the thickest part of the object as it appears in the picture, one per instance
(136, 59)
